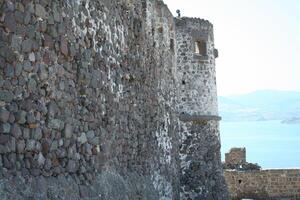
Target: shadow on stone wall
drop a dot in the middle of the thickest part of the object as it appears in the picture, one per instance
(106, 186)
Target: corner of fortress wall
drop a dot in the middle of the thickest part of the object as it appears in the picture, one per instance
(91, 98)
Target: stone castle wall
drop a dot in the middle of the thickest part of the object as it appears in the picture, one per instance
(264, 184)
(85, 90)
(247, 180)
(87, 97)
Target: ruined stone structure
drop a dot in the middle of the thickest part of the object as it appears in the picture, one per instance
(236, 156)
(253, 183)
(236, 159)
(107, 100)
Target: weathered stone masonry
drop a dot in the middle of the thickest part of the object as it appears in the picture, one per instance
(264, 184)
(236, 156)
(201, 171)
(247, 180)
(88, 95)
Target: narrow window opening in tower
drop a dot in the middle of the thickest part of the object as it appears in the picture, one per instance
(172, 45)
(183, 82)
(200, 47)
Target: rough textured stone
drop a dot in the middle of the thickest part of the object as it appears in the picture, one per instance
(64, 46)
(48, 41)
(16, 131)
(27, 66)
(4, 139)
(32, 57)
(5, 128)
(45, 147)
(18, 69)
(21, 117)
(27, 45)
(32, 84)
(41, 159)
(30, 118)
(21, 146)
(37, 133)
(71, 167)
(40, 11)
(9, 71)
(94, 92)
(68, 131)
(16, 42)
(82, 139)
(95, 141)
(55, 124)
(26, 133)
(52, 109)
(19, 16)
(6, 96)
(10, 22)
(201, 168)
(54, 145)
(4, 115)
(30, 145)
(90, 135)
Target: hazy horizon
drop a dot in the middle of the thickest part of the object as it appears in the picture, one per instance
(260, 90)
(258, 42)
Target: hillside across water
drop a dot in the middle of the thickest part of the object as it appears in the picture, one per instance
(261, 106)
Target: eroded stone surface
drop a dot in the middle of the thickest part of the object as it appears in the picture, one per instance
(90, 91)
(201, 174)
(274, 184)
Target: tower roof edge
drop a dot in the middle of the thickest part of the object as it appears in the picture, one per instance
(194, 20)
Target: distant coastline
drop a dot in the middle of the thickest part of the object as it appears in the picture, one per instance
(265, 105)
(295, 120)
(272, 144)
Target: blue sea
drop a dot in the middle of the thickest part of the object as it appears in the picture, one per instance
(271, 144)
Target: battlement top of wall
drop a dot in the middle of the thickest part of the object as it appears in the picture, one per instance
(184, 21)
(237, 149)
(165, 8)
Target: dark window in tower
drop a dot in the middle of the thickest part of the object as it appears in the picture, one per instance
(172, 45)
(200, 47)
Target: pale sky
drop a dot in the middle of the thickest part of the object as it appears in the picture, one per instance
(258, 42)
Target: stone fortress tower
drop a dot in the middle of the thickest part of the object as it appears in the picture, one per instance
(198, 111)
(109, 100)
(196, 67)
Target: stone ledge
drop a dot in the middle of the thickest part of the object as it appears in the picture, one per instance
(201, 57)
(186, 117)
